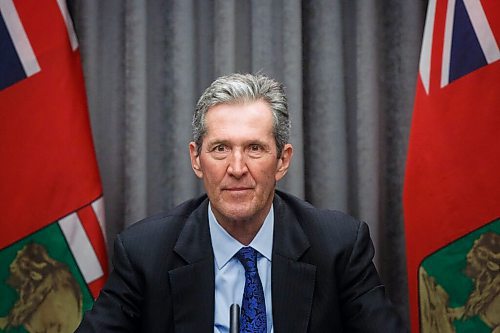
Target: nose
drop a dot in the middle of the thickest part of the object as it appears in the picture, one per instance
(237, 164)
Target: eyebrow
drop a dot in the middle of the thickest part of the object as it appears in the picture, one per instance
(245, 143)
(217, 142)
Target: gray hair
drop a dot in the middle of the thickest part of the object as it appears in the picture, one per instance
(244, 88)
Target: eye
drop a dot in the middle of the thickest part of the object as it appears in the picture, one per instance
(220, 148)
(219, 151)
(255, 147)
(255, 150)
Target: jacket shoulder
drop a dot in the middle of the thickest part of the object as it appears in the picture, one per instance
(330, 233)
(310, 216)
(162, 227)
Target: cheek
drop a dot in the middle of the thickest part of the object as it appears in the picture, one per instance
(213, 175)
(266, 177)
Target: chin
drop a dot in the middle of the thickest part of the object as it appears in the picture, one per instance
(237, 210)
(238, 197)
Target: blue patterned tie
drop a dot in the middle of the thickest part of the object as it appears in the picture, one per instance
(253, 307)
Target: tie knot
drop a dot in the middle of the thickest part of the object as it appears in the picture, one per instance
(248, 258)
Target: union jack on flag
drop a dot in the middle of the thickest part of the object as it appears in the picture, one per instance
(468, 40)
(17, 59)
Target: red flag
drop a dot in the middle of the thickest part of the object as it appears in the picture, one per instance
(50, 195)
(452, 182)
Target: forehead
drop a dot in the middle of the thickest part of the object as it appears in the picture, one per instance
(242, 119)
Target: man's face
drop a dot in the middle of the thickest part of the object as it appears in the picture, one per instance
(238, 161)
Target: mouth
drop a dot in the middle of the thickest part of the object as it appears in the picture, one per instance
(237, 189)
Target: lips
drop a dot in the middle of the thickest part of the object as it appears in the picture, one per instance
(237, 189)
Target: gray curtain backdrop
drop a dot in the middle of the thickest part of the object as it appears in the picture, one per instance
(349, 68)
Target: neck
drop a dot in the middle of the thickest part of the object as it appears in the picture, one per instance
(243, 230)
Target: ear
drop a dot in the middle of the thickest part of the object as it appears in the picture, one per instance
(284, 161)
(195, 160)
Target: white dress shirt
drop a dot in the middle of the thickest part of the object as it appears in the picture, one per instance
(230, 274)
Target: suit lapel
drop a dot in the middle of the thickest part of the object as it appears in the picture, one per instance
(292, 280)
(192, 285)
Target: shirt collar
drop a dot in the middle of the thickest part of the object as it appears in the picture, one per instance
(225, 246)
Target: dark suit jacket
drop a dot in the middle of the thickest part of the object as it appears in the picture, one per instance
(323, 278)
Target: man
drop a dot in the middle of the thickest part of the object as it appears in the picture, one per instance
(291, 267)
